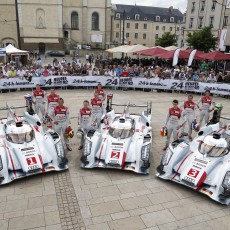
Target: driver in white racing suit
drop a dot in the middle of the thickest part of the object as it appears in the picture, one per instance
(52, 100)
(60, 117)
(189, 114)
(84, 121)
(207, 106)
(39, 99)
(172, 123)
(97, 109)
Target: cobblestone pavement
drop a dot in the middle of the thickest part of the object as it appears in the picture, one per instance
(107, 199)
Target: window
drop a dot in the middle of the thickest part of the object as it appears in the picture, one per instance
(163, 27)
(95, 21)
(117, 35)
(137, 16)
(202, 5)
(144, 36)
(157, 27)
(158, 18)
(191, 23)
(164, 20)
(145, 18)
(145, 26)
(170, 29)
(225, 21)
(136, 35)
(128, 17)
(171, 19)
(117, 25)
(156, 36)
(193, 7)
(136, 25)
(74, 21)
(213, 6)
(200, 22)
(128, 25)
(178, 28)
(127, 35)
(118, 15)
(211, 21)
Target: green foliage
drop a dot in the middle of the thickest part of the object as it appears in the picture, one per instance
(202, 40)
(166, 40)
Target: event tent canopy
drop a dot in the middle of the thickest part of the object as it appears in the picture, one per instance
(127, 49)
(154, 51)
(169, 48)
(215, 56)
(118, 49)
(11, 50)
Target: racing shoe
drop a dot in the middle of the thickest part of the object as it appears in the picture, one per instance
(80, 147)
(69, 148)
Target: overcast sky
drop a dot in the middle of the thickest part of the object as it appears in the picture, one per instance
(178, 4)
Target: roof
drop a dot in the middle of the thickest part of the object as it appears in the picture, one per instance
(12, 50)
(149, 12)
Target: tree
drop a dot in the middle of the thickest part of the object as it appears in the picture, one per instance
(202, 40)
(166, 40)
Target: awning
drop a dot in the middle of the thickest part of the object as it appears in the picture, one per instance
(14, 51)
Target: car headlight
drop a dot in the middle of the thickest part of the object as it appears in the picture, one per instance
(166, 157)
(87, 147)
(1, 165)
(145, 152)
(60, 149)
(226, 181)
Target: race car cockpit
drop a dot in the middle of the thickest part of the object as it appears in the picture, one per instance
(19, 135)
(214, 146)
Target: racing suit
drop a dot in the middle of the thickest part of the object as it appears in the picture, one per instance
(205, 109)
(172, 123)
(84, 121)
(97, 110)
(52, 101)
(188, 115)
(61, 115)
(101, 94)
(39, 100)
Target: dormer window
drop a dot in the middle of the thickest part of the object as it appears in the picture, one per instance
(145, 18)
(158, 18)
(164, 20)
(137, 16)
(118, 15)
(128, 17)
(171, 19)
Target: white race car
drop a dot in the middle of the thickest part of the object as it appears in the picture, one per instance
(26, 148)
(123, 141)
(204, 163)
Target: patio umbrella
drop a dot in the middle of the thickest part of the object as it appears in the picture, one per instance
(151, 52)
(118, 49)
(170, 54)
(216, 56)
(134, 48)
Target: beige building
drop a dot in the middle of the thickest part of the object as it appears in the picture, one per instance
(57, 24)
(8, 25)
(202, 13)
(143, 25)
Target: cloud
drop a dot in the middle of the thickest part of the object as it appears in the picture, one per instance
(178, 4)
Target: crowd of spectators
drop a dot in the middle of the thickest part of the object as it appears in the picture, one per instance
(146, 68)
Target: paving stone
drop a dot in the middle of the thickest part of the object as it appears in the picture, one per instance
(9, 215)
(168, 226)
(4, 224)
(102, 226)
(157, 218)
(16, 205)
(120, 215)
(131, 187)
(37, 202)
(101, 219)
(26, 222)
(105, 208)
(33, 211)
(54, 227)
(135, 202)
(15, 197)
(131, 223)
(104, 191)
(162, 197)
(52, 218)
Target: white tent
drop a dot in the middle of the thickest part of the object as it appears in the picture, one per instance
(169, 48)
(127, 49)
(118, 49)
(11, 50)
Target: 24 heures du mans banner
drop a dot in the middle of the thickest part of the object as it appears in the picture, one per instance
(134, 82)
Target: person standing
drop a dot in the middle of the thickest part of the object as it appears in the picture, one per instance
(84, 121)
(39, 99)
(60, 117)
(100, 91)
(172, 122)
(52, 100)
(206, 107)
(189, 114)
(97, 109)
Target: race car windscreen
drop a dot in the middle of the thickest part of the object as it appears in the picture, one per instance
(211, 151)
(20, 138)
(120, 133)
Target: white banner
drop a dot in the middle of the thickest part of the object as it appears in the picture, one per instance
(130, 82)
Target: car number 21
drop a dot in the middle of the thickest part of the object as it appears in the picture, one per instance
(193, 173)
